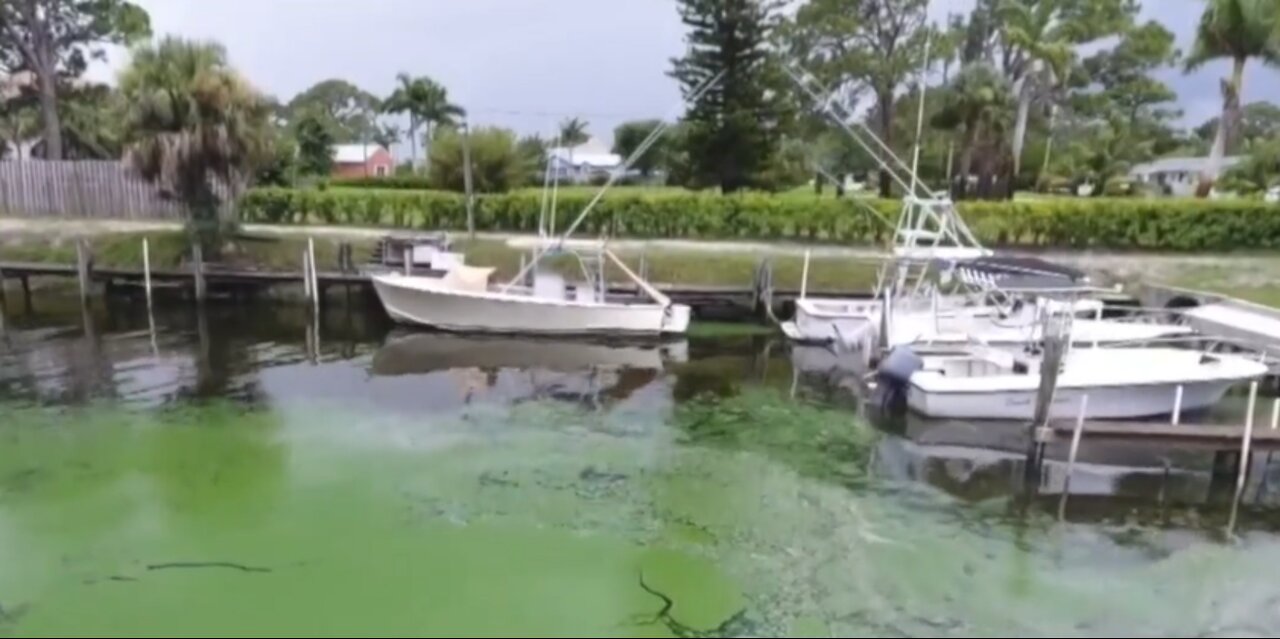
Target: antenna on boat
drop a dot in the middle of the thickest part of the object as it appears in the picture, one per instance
(639, 152)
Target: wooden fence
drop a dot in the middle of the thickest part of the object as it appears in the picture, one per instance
(82, 189)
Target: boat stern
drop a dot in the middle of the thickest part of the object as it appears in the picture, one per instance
(675, 319)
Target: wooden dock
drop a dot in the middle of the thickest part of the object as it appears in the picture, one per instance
(721, 302)
(1181, 435)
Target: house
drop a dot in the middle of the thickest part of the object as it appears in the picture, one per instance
(362, 160)
(581, 163)
(1177, 176)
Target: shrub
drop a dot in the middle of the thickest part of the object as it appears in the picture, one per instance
(1111, 223)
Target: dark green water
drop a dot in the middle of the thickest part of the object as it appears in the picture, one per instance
(239, 478)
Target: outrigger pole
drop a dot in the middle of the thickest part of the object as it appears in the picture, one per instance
(639, 152)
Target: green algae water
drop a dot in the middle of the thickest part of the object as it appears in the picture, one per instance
(241, 473)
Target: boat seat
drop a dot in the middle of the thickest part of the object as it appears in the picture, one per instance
(474, 279)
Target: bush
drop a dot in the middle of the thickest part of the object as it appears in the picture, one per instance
(496, 165)
(407, 182)
(1146, 224)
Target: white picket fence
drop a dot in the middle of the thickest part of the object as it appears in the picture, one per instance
(82, 189)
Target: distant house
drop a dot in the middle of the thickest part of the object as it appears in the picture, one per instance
(362, 160)
(1177, 176)
(583, 162)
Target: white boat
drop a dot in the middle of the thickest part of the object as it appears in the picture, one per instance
(1121, 383)
(855, 324)
(464, 300)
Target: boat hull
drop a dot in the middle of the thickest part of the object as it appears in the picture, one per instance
(1109, 402)
(423, 302)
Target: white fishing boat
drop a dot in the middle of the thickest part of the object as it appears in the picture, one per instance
(463, 299)
(1121, 383)
(969, 299)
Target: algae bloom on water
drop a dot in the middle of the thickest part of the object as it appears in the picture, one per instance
(233, 481)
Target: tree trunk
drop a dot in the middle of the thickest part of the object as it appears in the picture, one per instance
(1020, 125)
(1048, 145)
(886, 134)
(1226, 125)
(413, 145)
(966, 161)
(426, 149)
(49, 108)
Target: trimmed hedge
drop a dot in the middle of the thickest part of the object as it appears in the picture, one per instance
(396, 182)
(1150, 224)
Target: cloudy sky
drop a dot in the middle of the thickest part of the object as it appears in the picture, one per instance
(525, 64)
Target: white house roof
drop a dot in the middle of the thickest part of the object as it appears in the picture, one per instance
(592, 153)
(354, 153)
(1181, 165)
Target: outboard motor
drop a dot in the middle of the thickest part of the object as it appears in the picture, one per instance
(894, 374)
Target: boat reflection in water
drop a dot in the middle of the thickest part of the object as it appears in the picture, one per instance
(514, 369)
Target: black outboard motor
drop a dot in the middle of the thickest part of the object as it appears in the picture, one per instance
(894, 375)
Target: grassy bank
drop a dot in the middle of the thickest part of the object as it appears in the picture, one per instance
(674, 266)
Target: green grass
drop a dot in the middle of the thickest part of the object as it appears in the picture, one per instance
(689, 267)
(172, 249)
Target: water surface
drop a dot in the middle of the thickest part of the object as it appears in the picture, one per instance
(240, 472)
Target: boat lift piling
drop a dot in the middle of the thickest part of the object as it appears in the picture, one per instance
(84, 269)
(1177, 406)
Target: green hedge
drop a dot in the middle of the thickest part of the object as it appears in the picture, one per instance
(1076, 223)
(397, 182)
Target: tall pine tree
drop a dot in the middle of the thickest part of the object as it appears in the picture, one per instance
(734, 129)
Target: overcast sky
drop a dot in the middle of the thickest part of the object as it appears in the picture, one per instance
(524, 64)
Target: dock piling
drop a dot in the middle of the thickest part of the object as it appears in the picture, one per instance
(26, 293)
(83, 269)
(1275, 414)
(306, 277)
(146, 271)
(1076, 435)
(197, 254)
(804, 276)
(408, 260)
(1177, 405)
(315, 281)
(1247, 441)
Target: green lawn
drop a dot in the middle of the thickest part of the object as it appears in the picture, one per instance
(671, 266)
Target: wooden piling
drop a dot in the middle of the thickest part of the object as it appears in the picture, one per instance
(1076, 435)
(408, 260)
(1275, 414)
(306, 277)
(315, 281)
(1177, 405)
(197, 254)
(83, 269)
(26, 293)
(146, 271)
(1247, 441)
(804, 275)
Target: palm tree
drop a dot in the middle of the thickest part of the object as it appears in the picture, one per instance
(977, 106)
(573, 132)
(191, 121)
(1237, 30)
(427, 103)
(1037, 29)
